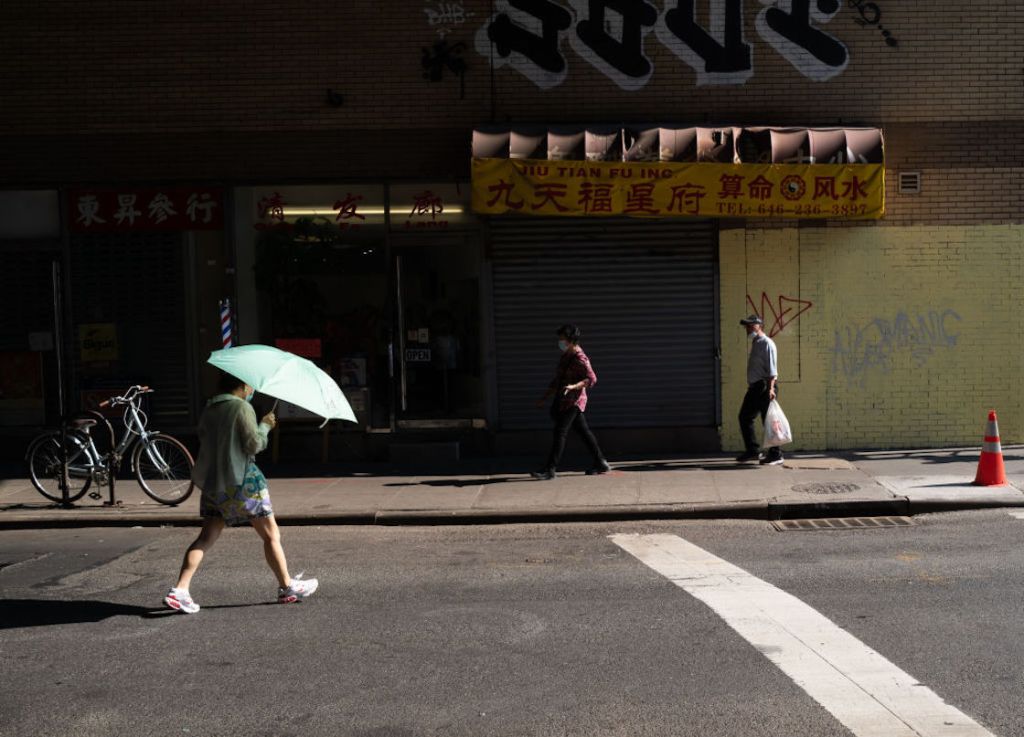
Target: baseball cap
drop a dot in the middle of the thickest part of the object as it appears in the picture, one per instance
(752, 320)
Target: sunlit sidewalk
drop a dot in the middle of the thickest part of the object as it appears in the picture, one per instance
(491, 491)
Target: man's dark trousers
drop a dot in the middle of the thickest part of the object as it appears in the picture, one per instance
(755, 402)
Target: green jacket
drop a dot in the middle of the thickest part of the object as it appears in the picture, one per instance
(229, 438)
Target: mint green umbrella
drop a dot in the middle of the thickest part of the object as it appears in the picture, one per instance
(287, 377)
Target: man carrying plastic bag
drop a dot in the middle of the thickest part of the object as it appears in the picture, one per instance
(776, 427)
(762, 388)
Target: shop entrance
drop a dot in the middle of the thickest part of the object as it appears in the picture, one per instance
(414, 362)
(382, 292)
(437, 288)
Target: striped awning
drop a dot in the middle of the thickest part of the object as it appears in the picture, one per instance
(677, 143)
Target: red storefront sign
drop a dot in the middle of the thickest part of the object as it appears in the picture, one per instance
(426, 211)
(305, 347)
(129, 209)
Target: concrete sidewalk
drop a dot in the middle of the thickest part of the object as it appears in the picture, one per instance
(500, 491)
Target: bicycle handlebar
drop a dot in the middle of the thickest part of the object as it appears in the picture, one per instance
(129, 395)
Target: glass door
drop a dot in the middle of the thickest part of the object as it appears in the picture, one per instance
(438, 316)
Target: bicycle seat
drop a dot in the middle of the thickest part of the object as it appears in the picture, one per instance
(83, 423)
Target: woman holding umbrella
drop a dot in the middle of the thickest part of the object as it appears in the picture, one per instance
(569, 388)
(234, 491)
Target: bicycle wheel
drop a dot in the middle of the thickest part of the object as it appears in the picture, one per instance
(44, 467)
(163, 467)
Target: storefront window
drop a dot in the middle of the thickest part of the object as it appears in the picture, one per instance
(392, 313)
(437, 264)
(321, 276)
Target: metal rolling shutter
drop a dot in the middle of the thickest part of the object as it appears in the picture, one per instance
(644, 293)
(138, 282)
(28, 308)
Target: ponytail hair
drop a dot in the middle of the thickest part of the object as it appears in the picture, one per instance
(570, 332)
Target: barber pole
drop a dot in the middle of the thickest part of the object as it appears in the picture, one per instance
(226, 331)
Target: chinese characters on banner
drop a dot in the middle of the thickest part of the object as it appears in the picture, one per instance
(133, 210)
(277, 210)
(655, 189)
(437, 206)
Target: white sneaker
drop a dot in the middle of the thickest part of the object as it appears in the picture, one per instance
(181, 601)
(300, 588)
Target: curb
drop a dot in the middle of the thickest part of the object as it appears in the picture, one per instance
(934, 506)
(610, 513)
(762, 510)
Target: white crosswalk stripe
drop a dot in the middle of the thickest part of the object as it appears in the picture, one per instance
(1018, 513)
(864, 691)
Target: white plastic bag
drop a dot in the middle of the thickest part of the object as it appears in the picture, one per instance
(776, 427)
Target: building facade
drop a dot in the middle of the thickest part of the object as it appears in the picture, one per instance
(318, 162)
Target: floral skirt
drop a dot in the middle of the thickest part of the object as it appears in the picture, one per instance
(241, 504)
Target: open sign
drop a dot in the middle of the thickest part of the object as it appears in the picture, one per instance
(417, 355)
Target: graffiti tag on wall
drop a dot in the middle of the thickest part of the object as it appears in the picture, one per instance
(610, 35)
(869, 15)
(872, 349)
(445, 57)
(442, 57)
(445, 17)
(780, 314)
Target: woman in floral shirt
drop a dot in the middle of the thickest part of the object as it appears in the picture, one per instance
(234, 491)
(569, 388)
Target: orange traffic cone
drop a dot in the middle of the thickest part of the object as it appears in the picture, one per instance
(990, 465)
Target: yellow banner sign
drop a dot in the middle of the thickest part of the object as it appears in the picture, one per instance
(666, 189)
(97, 342)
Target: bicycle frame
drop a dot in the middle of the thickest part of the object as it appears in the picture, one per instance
(97, 464)
(142, 435)
(160, 463)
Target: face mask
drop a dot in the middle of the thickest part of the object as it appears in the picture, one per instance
(563, 346)
(249, 396)
(751, 336)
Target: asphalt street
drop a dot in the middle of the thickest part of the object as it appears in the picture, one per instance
(501, 630)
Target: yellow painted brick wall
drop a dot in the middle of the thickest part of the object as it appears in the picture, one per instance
(911, 334)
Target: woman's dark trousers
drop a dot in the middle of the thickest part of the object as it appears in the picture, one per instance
(571, 418)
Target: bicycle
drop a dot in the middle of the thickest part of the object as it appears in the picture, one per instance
(161, 463)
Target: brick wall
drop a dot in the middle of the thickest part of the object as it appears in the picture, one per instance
(907, 336)
(137, 90)
(140, 65)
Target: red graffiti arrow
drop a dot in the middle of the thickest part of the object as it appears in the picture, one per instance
(788, 312)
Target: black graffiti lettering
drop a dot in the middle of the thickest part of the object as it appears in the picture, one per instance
(626, 54)
(542, 50)
(729, 56)
(795, 26)
(870, 14)
(444, 56)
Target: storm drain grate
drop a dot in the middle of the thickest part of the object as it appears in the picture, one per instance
(827, 488)
(840, 523)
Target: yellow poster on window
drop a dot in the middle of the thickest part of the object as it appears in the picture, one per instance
(97, 342)
(667, 189)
